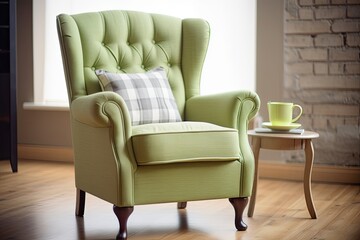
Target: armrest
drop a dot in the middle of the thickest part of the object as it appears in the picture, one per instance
(105, 110)
(231, 109)
(101, 129)
(100, 110)
(235, 110)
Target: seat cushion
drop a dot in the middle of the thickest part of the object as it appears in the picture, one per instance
(184, 142)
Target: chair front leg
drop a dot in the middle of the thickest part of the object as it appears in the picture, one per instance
(239, 205)
(123, 214)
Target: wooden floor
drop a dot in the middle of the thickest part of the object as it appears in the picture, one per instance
(38, 203)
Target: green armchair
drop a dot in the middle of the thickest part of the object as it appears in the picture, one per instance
(204, 156)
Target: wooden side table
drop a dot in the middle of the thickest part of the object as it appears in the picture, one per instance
(285, 141)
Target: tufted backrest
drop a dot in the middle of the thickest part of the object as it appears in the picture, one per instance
(130, 42)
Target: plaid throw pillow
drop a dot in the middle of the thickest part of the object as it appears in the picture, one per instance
(148, 95)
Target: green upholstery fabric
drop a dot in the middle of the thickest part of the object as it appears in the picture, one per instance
(234, 110)
(145, 41)
(184, 181)
(184, 142)
(127, 165)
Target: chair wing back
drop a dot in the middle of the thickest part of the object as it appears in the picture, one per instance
(128, 42)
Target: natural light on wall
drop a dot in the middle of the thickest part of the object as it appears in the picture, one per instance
(230, 62)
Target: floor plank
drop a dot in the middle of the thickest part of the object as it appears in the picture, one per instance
(38, 203)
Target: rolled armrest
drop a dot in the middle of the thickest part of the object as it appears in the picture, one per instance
(225, 109)
(101, 110)
(235, 110)
(103, 151)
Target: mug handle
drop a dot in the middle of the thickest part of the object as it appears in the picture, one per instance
(298, 116)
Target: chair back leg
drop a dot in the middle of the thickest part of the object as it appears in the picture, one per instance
(80, 203)
(181, 205)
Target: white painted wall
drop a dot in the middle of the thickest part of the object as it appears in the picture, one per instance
(230, 63)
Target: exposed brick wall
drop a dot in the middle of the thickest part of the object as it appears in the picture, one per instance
(322, 73)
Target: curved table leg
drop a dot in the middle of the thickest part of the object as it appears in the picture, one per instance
(256, 150)
(309, 155)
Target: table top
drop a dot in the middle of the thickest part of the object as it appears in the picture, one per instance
(305, 135)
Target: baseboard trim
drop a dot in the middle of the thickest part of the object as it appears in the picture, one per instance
(48, 153)
(320, 173)
(267, 169)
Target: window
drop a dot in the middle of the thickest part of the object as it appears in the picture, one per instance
(230, 58)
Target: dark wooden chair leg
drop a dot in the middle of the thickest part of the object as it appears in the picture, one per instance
(181, 205)
(123, 214)
(80, 203)
(239, 205)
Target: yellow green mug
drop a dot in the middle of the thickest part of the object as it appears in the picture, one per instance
(281, 113)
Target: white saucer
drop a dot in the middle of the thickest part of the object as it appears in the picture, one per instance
(284, 127)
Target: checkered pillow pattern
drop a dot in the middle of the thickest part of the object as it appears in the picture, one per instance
(148, 95)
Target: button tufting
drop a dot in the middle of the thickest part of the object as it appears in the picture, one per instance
(142, 66)
(103, 44)
(118, 67)
(127, 43)
(169, 64)
(153, 41)
(93, 68)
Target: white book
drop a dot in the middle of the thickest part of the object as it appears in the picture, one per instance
(268, 130)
